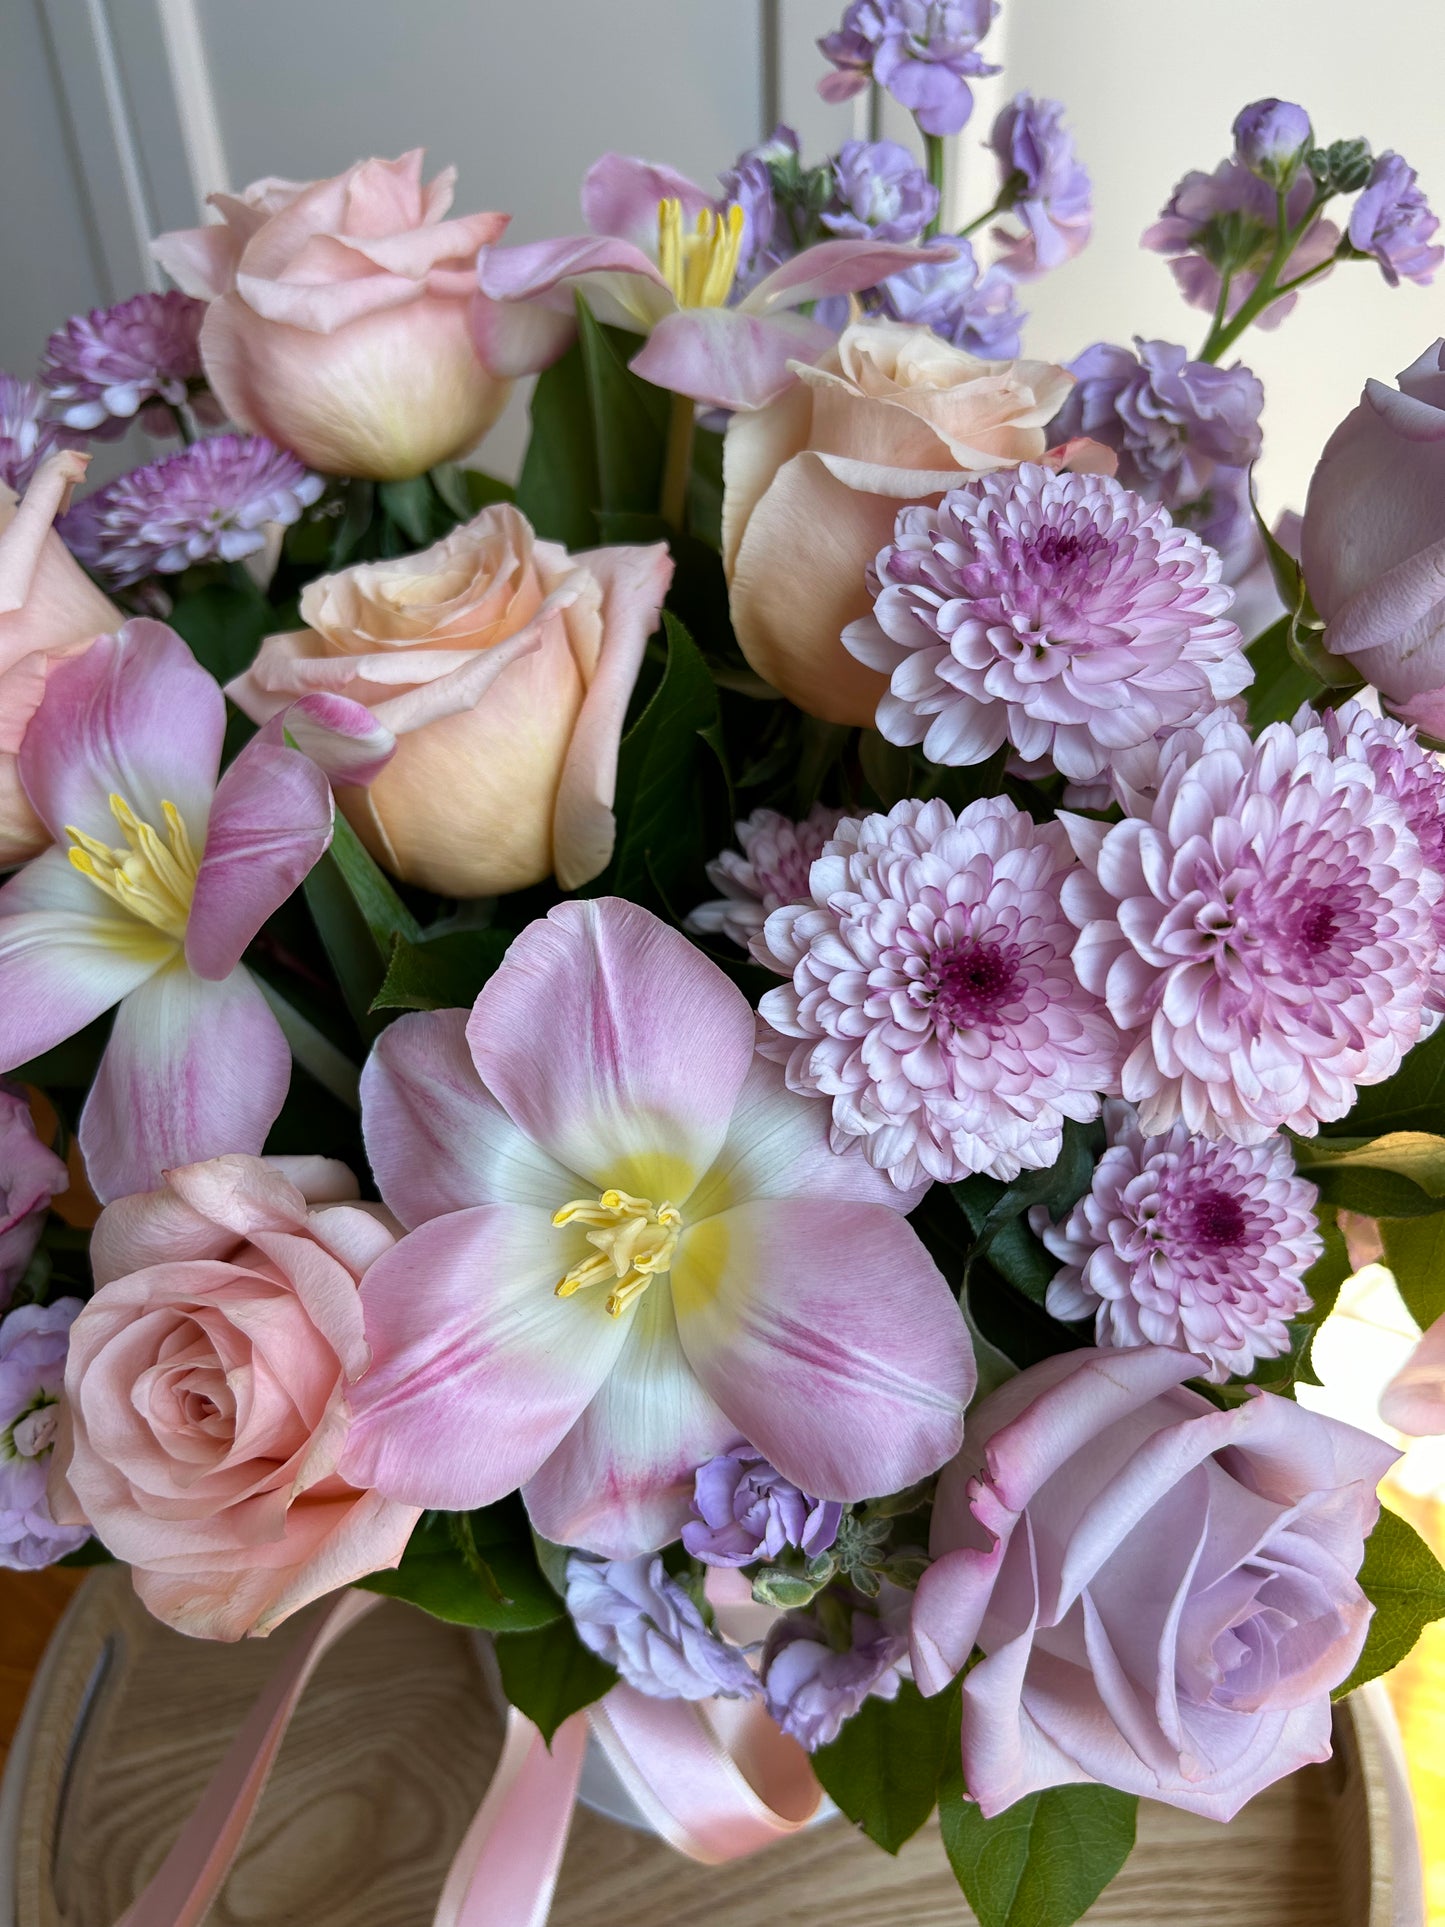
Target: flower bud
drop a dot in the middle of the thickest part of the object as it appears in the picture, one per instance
(1271, 137)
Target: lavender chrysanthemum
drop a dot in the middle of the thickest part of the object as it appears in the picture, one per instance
(744, 1509)
(1061, 613)
(923, 52)
(1044, 185)
(1188, 1242)
(1394, 222)
(812, 1687)
(33, 1344)
(1261, 926)
(1228, 219)
(777, 854)
(209, 503)
(976, 312)
(27, 434)
(632, 1614)
(105, 367)
(879, 191)
(931, 997)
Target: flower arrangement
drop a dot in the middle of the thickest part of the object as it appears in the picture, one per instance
(738, 1062)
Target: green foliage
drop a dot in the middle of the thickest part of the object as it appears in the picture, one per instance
(1399, 1175)
(997, 1213)
(225, 625)
(483, 489)
(1407, 1584)
(1281, 683)
(1415, 1253)
(473, 1569)
(443, 971)
(1412, 1100)
(549, 1674)
(1045, 1860)
(883, 1768)
(360, 920)
(558, 485)
(1322, 1281)
(629, 419)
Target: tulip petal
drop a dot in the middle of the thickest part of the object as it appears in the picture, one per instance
(341, 737)
(479, 1371)
(25, 534)
(729, 357)
(621, 1481)
(615, 1045)
(436, 1138)
(515, 338)
(633, 583)
(193, 1070)
(838, 267)
(135, 716)
(621, 286)
(61, 969)
(270, 826)
(825, 1331)
(620, 196)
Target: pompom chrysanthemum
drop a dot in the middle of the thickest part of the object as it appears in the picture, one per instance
(1059, 612)
(1261, 926)
(931, 994)
(773, 867)
(1182, 1241)
(105, 367)
(209, 503)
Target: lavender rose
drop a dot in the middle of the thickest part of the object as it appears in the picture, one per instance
(1164, 1593)
(30, 1175)
(747, 1510)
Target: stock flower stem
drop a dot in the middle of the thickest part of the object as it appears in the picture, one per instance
(934, 154)
(677, 464)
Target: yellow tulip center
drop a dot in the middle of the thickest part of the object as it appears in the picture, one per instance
(150, 875)
(699, 267)
(634, 1240)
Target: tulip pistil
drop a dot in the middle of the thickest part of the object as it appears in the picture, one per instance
(634, 1241)
(699, 267)
(150, 875)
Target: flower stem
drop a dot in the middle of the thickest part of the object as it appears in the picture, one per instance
(1269, 288)
(934, 157)
(331, 1068)
(183, 427)
(677, 464)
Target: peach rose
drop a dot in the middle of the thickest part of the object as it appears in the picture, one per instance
(338, 320)
(49, 608)
(814, 481)
(206, 1393)
(504, 665)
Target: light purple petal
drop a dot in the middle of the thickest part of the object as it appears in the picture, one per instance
(620, 196)
(727, 357)
(621, 285)
(837, 267)
(193, 1070)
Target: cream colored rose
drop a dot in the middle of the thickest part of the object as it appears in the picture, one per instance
(503, 665)
(891, 415)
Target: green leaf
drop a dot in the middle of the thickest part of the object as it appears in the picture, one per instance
(473, 1569)
(386, 916)
(997, 1212)
(413, 506)
(92, 1553)
(1407, 1584)
(443, 972)
(358, 501)
(883, 1768)
(483, 489)
(1415, 1253)
(629, 418)
(1412, 1100)
(224, 626)
(1042, 1862)
(1280, 683)
(558, 488)
(549, 1675)
(359, 918)
(1399, 1175)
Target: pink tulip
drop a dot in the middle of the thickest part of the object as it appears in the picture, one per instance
(661, 261)
(158, 877)
(48, 609)
(338, 317)
(630, 1249)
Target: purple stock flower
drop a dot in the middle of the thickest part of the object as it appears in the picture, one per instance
(104, 367)
(777, 854)
(210, 502)
(749, 184)
(812, 1687)
(1202, 1246)
(1227, 221)
(976, 312)
(1046, 187)
(1393, 221)
(747, 1510)
(30, 1176)
(632, 1614)
(923, 52)
(33, 1343)
(27, 435)
(1271, 138)
(880, 190)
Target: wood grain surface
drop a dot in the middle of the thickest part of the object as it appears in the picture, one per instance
(392, 1750)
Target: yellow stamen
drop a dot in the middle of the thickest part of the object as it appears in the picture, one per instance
(154, 878)
(699, 268)
(635, 1242)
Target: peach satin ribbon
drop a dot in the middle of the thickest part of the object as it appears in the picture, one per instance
(716, 1779)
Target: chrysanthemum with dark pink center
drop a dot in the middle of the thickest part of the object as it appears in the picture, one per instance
(1061, 613)
(141, 356)
(209, 503)
(931, 996)
(773, 867)
(1261, 925)
(1182, 1241)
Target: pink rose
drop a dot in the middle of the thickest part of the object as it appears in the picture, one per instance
(504, 665)
(338, 319)
(30, 1176)
(1164, 1593)
(49, 608)
(1373, 542)
(206, 1393)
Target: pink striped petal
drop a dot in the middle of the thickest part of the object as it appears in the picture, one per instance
(341, 737)
(137, 716)
(61, 969)
(193, 1070)
(620, 196)
(826, 1332)
(436, 1139)
(613, 1043)
(479, 1371)
(270, 826)
(729, 357)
